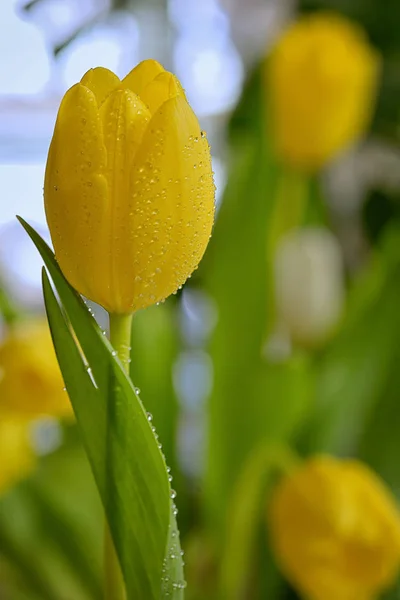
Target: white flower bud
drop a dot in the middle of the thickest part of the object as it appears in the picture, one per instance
(309, 288)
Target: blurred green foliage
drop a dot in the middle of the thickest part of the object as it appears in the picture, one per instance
(51, 529)
(341, 399)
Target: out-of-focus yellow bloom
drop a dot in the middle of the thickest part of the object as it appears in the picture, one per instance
(129, 192)
(335, 529)
(17, 458)
(322, 80)
(30, 379)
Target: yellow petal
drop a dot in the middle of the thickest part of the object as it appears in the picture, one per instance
(31, 384)
(141, 75)
(170, 207)
(335, 530)
(17, 458)
(124, 118)
(101, 81)
(322, 79)
(75, 191)
(161, 89)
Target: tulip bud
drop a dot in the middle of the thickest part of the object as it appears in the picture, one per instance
(309, 287)
(322, 81)
(335, 530)
(30, 379)
(129, 193)
(17, 458)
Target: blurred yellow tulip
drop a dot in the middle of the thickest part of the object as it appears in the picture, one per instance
(17, 458)
(322, 81)
(129, 191)
(335, 530)
(30, 379)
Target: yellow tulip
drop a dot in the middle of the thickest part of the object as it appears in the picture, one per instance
(17, 458)
(30, 379)
(322, 81)
(129, 192)
(335, 530)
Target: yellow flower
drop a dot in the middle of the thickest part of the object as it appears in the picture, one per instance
(335, 529)
(17, 458)
(322, 80)
(30, 379)
(129, 193)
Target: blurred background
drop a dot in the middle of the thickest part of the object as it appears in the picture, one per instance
(286, 337)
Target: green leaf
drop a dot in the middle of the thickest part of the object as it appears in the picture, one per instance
(235, 274)
(63, 536)
(51, 524)
(379, 440)
(44, 546)
(353, 373)
(247, 515)
(127, 463)
(154, 353)
(7, 307)
(250, 395)
(27, 565)
(155, 347)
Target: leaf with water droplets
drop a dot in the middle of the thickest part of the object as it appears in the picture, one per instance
(125, 457)
(173, 583)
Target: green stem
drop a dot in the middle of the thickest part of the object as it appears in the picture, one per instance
(120, 338)
(290, 205)
(292, 195)
(7, 309)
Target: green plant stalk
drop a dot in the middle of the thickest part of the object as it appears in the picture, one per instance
(7, 309)
(291, 201)
(120, 338)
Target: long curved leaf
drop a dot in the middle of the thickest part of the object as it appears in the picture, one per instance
(247, 516)
(125, 457)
